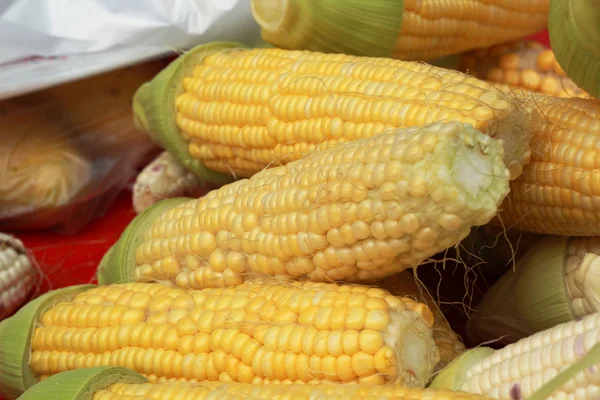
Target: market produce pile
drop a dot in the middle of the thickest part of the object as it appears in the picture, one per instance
(340, 161)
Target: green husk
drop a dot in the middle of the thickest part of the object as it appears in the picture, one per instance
(530, 299)
(574, 30)
(154, 108)
(16, 333)
(80, 384)
(454, 375)
(357, 27)
(118, 263)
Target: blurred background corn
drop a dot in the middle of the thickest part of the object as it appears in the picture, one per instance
(524, 64)
(18, 275)
(408, 30)
(556, 281)
(114, 383)
(263, 332)
(359, 211)
(520, 369)
(237, 111)
(447, 341)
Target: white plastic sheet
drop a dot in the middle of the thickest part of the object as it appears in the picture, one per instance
(47, 42)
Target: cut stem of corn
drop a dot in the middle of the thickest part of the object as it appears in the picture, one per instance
(113, 383)
(237, 111)
(556, 281)
(358, 211)
(522, 64)
(531, 366)
(409, 29)
(574, 29)
(165, 178)
(17, 275)
(257, 333)
(447, 341)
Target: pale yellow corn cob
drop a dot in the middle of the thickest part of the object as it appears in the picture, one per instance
(447, 341)
(255, 333)
(360, 211)
(520, 369)
(17, 274)
(114, 383)
(165, 178)
(522, 64)
(556, 281)
(237, 111)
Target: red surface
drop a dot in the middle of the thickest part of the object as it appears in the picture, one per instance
(72, 260)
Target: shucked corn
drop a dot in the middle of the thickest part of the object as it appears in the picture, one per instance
(255, 333)
(17, 274)
(235, 111)
(358, 211)
(113, 383)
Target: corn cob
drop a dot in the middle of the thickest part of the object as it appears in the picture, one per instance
(557, 192)
(359, 211)
(165, 178)
(114, 383)
(447, 341)
(574, 29)
(409, 29)
(17, 275)
(223, 110)
(261, 332)
(558, 363)
(522, 64)
(556, 281)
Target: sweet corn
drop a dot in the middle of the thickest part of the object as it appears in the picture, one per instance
(262, 332)
(447, 341)
(558, 363)
(113, 383)
(556, 281)
(17, 275)
(224, 110)
(522, 64)
(409, 29)
(358, 211)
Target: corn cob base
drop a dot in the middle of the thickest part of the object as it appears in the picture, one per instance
(113, 383)
(255, 333)
(358, 211)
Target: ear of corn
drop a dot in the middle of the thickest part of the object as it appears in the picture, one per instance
(16, 333)
(522, 64)
(255, 333)
(17, 275)
(573, 26)
(409, 29)
(165, 178)
(113, 383)
(555, 282)
(358, 211)
(238, 111)
(558, 363)
(447, 341)
(558, 190)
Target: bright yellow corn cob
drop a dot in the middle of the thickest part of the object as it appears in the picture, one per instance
(257, 333)
(165, 178)
(114, 383)
(17, 275)
(561, 362)
(236, 111)
(558, 190)
(359, 211)
(447, 341)
(556, 281)
(409, 29)
(522, 64)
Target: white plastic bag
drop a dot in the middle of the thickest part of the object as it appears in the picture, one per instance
(47, 42)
